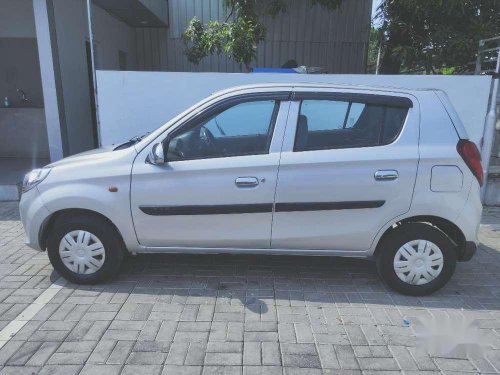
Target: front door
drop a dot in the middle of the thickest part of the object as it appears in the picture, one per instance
(216, 188)
(348, 167)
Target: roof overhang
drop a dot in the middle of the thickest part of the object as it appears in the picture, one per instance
(136, 13)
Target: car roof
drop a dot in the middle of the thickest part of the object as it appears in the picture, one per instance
(302, 85)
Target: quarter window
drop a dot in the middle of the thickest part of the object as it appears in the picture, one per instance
(242, 129)
(331, 124)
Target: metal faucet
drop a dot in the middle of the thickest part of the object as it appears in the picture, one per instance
(23, 95)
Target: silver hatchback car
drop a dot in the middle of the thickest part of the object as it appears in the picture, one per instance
(291, 169)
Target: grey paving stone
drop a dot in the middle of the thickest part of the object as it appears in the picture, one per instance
(151, 346)
(141, 369)
(301, 371)
(61, 370)
(68, 358)
(183, 314)
(301, 360)
(381, 364)
(150, 331)
(177, 353)
(223, 359)
(120, 352)
(181, 336)
(328, 357)
(77, 347)
(404, 358)
(118, 334)
(261, 336)
(8, 350)
(94, 369)
(102, 351)
(195, 354)
(167, 331)
(262, 370)
(252, 354)
(306, 349)
(16, 370)
(44, 352)
(451, 364)
(346, 357)
(146, 358)
(271, 354)
(222, 370)
(224, 347)
(181, 370)
(23, 354)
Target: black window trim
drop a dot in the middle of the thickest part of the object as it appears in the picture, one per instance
(382, 100)
(278, 97)
(388, 100)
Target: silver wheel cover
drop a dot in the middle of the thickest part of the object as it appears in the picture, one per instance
(418, 262)
(82, 252)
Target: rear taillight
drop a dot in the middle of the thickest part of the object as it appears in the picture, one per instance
(469, 152)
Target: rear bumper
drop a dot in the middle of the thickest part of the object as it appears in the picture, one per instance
(467, 252)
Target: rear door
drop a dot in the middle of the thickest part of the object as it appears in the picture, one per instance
(348, 166)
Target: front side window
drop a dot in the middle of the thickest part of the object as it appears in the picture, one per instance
(330, 124)
(242, 129)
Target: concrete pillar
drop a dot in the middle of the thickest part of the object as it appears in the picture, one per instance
(51, 78)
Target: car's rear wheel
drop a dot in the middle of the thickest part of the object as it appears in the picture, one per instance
(85, 249)
(416, 259)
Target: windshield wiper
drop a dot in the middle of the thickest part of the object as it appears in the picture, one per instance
(130, 142)
(138, 138)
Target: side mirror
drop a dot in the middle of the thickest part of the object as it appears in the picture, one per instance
(156, 156)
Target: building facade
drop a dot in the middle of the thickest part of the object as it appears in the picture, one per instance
(46, 76)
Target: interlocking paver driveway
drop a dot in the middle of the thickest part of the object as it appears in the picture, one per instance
(219, 314)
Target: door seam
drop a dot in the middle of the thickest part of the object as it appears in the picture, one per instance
(278, 171)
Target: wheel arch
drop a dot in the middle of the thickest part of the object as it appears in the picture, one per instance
(451, 230)
(49, 222)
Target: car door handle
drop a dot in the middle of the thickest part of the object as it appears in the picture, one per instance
(246, 182)
(386, 175)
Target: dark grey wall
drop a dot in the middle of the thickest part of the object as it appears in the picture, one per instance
(19, 68)
(336, 41)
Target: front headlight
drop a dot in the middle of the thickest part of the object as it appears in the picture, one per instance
(34, 177)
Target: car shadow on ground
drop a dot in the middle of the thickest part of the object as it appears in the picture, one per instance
(256, 281)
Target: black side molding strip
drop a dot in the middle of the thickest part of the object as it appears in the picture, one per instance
(326, 206)
(257, 208)
(207, 210)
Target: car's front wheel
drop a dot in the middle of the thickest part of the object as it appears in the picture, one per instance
(416, 259)
(85, 249)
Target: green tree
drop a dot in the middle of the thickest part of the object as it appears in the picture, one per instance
(239, 35)
(435, 36)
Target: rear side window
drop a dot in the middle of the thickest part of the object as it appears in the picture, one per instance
(331, 124)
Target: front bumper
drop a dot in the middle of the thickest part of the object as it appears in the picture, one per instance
(33, 214)
(467, 252)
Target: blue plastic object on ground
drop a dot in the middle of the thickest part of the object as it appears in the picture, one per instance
(273, 70)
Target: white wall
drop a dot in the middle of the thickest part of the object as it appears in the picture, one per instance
(111, 35)
(133, 103)
(17, 19)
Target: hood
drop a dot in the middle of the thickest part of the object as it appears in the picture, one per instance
(98, 153)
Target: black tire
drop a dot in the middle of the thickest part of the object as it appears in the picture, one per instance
(105, 232)
(403, 234)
